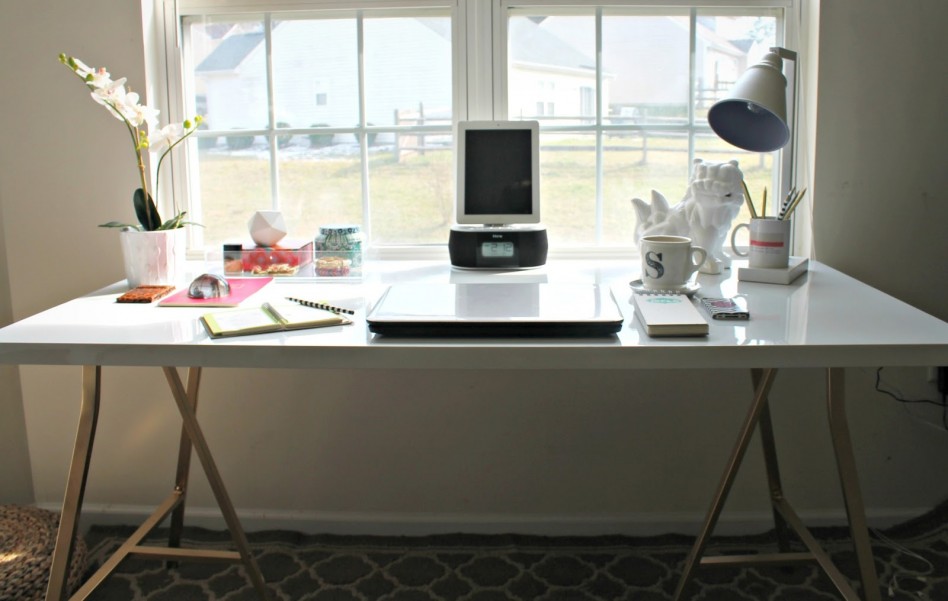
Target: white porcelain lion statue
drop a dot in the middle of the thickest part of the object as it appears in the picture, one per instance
(714, 197)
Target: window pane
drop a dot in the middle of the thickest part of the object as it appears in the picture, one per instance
(634, 164)
(568, 187)
(234, 182)
(315, 73)
(645, 69)
(412, 191)
(408, 71)
(320, 185)
(727, 46)
(230, 74)
(552, 69)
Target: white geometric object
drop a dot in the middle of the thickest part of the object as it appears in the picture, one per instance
(267, 227)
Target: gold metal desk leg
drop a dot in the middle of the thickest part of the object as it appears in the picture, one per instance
(764, 382)
(76, 483)
(773, 470)
(784, 515)
(849, 479)
(196, 435)
(184, 464)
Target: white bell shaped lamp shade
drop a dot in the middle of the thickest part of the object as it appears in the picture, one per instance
(754, 114)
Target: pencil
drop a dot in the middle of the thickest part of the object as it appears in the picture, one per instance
(764, 210)
(793, 204)
(786, 201)
(747, 199)
(320, 305)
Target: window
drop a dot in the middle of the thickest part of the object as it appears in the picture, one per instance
(267, 144)
(343, 112)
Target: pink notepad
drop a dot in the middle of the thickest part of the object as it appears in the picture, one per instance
(240, 289)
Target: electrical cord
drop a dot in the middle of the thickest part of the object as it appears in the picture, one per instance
(921, 576)
(943, 403)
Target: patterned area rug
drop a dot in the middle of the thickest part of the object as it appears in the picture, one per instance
(911, 559)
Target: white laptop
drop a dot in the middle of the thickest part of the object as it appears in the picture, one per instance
(496, 309)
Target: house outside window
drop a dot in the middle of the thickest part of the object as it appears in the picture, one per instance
(381, 153)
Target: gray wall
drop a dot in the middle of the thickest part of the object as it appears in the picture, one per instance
(412, 451)
(15, 467)
(880, 150)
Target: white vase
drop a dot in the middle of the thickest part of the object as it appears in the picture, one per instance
(153, 258)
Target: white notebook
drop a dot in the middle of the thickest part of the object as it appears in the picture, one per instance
(665, 314)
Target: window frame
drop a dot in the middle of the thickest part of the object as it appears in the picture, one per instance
(479, 60)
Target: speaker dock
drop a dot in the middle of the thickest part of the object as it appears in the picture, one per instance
(498, 246)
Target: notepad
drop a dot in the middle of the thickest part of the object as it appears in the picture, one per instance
(669, 315)
(269, 317)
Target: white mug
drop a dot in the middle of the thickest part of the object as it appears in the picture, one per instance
(769, 242)
(668, 262)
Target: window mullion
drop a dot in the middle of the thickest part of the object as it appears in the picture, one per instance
(271, 113)
(692, 81)
(363, 139)
(599, 120)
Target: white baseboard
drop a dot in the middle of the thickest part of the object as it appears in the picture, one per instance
(398, 524)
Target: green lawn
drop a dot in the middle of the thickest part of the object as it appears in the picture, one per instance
(412, 197)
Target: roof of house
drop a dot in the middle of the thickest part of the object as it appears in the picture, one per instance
(542, 47)
(538, 46)
(231, 52)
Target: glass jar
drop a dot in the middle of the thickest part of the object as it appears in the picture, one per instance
(344, 241)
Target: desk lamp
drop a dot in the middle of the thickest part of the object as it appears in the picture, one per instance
(754, 117)
(754, 114)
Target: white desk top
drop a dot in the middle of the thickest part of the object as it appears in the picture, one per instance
(824, 319)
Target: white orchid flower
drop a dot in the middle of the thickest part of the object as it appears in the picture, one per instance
(138, 114)
(95, 77)
(112, 97)
(100, 78)
(162, 139)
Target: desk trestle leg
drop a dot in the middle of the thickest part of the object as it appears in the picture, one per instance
(184, 464)
(196, 435)
(76, 484)
(785, 518)
(173, 505)
(849, 479)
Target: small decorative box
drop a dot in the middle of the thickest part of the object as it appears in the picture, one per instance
(280, 259)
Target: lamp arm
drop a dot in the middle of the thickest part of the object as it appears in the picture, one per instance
(789, 154)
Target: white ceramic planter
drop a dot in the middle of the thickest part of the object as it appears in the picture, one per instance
(153, 258)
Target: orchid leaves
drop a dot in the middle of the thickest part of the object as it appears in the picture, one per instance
(148, 217)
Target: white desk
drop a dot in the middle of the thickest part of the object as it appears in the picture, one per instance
(824, 320)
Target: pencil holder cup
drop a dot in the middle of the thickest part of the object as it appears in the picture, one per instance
(769, 242)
